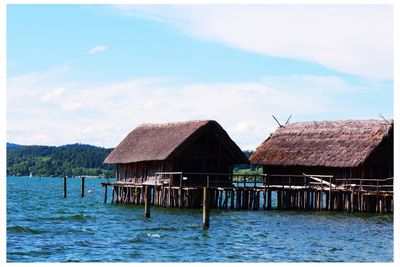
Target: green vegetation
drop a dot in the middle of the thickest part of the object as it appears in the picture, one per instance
(247, 170)
(70, 160)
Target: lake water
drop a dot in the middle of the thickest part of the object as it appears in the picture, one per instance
(42, 226)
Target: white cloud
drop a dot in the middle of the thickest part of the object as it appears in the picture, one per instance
(53, 94)
(355, 39)
(103, 115)
(97, 49)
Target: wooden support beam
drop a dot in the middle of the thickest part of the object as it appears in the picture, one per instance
(238, 199)
(65, 186)
(220, 199)
(105, 193)
(180, 192)
(264, 198)
(245, 199)
(83, 186)
(269, 199)
(147, 200)
(206, 208)
(232, 199)
(279, 199)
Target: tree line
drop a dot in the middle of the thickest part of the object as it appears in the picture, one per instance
(52, 161)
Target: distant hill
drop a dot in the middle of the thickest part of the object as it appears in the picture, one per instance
(11, 145)
(70, 160)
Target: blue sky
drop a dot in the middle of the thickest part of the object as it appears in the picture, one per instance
(90, 74)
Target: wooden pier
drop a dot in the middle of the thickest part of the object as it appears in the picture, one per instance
(256, 192)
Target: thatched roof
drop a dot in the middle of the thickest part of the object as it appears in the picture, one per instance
(149, 142)
(325, 143)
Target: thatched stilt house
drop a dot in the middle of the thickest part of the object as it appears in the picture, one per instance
(192, 146)
(345, 149)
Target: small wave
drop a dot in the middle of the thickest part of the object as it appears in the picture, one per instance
(335, 249)
(76, 217)
(157, 229)
(136, 240)
(81, 217)
(22, 229)
(153, 235)
(83, 243)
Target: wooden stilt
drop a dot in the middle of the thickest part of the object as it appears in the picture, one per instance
(251, 199)
(305, 198)
(269, 199)
(320, 200)
(220, 199)
(256, 200)
(265, 199)
(352, 200)
(206, 209)
(65, 186)
(238, 199)
(279, 199)
(147, 201)
(180, 195)
(225, 204)
(112, 195)
(105, 194)
(232, 199)
(245, 199)
(83, 186)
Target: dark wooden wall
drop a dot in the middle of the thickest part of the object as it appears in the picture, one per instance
(207, 153)
(139, 171)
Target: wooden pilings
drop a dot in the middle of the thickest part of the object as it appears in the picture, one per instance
(256, 198)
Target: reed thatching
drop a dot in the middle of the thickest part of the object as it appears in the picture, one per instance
(325, 143)
(152, 142)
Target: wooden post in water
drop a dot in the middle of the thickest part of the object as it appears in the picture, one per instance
(65, 186)
(146, 201)
(320, 196)
(206, 209)
(330, 193)
(232, 199)
(279, 199)
(238, 198)
(269, 199)
(105, 193)
(264, 198)
(83, 186)
(180, 192)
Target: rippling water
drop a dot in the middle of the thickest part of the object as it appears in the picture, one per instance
(43, 226)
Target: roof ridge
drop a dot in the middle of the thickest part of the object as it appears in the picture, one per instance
(343, 121)
(170, 124)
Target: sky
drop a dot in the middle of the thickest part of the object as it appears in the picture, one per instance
(92, 73)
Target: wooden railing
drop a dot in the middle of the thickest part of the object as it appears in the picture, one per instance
(245, 180)
(368, 184)
(322, 182)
